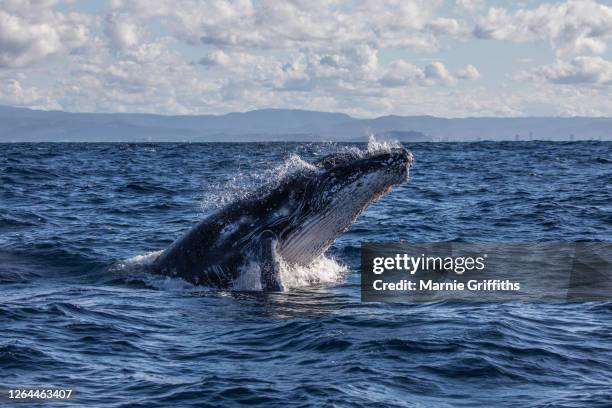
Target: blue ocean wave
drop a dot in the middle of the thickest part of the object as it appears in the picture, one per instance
(77, 220)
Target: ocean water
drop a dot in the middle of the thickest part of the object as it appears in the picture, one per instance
(76, 311)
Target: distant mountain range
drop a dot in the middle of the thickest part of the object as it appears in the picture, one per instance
(27, 125)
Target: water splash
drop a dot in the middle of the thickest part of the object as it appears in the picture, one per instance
(381, 145)
(322, 270)
(243, 184)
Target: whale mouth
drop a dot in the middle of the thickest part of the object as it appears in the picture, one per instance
(348, 184)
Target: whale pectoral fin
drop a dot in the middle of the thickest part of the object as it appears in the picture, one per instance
(270, 266)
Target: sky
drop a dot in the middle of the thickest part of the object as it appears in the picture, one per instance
(365, 58)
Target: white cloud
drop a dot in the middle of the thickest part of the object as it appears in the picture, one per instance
(148, 78)
(572, 26)
(580, 70)
(469, 5)
(216, 57)
(12, 92)
(364, 58)
(437, 72)
(269, 24)
(270, 53)
(442, 26)
(469, 72)
(122, 31)
(402, 73)
(31, 31)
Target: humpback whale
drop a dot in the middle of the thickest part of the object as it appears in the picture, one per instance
(296, 221)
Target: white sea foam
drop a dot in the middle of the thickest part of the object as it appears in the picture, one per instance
(134, 269)
(322, 270)
(169, 283)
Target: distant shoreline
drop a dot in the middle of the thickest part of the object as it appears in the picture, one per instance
(287, 125)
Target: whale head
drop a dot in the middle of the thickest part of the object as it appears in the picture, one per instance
(340, 189)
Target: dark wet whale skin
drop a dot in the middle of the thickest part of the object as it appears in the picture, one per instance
(218, 248)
